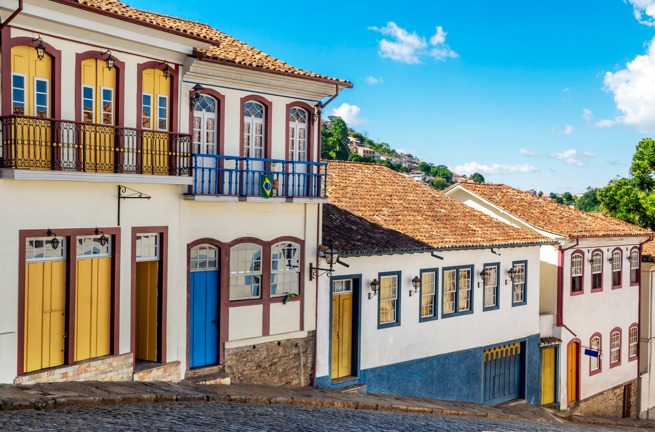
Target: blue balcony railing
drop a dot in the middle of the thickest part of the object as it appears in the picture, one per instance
(241, 176)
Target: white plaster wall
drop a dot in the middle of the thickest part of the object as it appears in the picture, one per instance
(646, 346)
(285, 318)
(600, 312)
(245, 322)
(413, 339)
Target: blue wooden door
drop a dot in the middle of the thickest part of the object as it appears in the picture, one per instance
(203, 347)
(503, 372)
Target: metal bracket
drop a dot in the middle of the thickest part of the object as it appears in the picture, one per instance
(127, 193)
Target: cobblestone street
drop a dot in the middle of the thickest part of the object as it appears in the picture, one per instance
(217, 416)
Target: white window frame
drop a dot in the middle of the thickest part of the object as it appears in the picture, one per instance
(102, 106)
(459, 289)
(597, 268)
(342, 286)
(577, 263)
(519, 284)
(24, 90)
(595, 361)
(199, 263)
(633, 342)
(250, 123)
(93, 102)
(91, 251)
(287, 275)
(45, 250)
(143, 105)
(617, 267)
(159, 117)
(615, 347)
(634, 266)
(239, 274)
(391, 299)
(144, 253)
(490, 285)
(429, 291)
(47, 96)
(294, 135)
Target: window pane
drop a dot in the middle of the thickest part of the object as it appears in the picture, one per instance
(388, 298)
(449, 287)
(428, 290)
(285, 269)
(245, 271)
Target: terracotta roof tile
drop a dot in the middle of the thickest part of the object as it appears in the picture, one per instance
(648, 251)
(395, 202)
(225, 48)
(549, 216)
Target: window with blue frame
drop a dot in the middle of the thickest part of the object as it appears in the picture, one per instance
(428, 294)
(519, 285)
(457, 298)
(490, 282)
(389, 299)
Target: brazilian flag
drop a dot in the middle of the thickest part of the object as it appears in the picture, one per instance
(266, 186)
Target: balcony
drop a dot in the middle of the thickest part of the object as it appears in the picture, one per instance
(31, 143)
(242, 177)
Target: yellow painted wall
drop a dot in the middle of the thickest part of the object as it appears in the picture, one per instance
(93, 308)
(45, 314)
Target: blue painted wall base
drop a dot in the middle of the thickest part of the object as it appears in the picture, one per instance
(455, 376)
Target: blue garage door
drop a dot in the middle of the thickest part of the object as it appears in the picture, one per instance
(503, 372)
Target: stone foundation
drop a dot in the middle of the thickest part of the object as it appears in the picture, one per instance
(273, 363)
(611, 402)
(110, 368)
(166, 372)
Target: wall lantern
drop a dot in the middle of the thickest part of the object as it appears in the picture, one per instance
(331, 256)
(416, 283)
(166, 70)
(55, 241)
(483, 275)
(609, 259)
(196, 94)
(375, 286)
(511, 273)
(40, 49)
(103, 238)
(109, 60)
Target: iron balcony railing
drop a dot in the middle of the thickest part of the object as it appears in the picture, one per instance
(241, 176)
(60, 145)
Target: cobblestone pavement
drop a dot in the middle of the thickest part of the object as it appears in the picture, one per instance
(218, 416)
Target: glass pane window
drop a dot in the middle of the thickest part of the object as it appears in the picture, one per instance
(490, 286)
(595, 345)
(93, 247)
(616, 268)
(388, 299)
(107, 106)
(253, 109)
(615, 347)
(518, 291)
(205, 104)
(428, 292)
(204, 258)
(197, 134)
(464, 300)
(40, 97)
(285, 269)
(449, 289)
(297, 134)
(634, 266)
(576, 272)
(147, 247)
(18, 94)
(342, 286)
(42, 249)
(162, 112)
(88, 101)
(146, 115)
(245, 271)
(596, 270)
(634, 342)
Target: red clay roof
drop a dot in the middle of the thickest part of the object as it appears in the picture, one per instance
(547, 215)
(225, 48)
(396, 203)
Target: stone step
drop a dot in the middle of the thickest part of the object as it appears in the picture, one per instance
(208, 376)
(192, 373)
(357, 388)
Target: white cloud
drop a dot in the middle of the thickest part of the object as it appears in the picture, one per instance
(569, 157)
(349, 113)
(589, 154)
(526, 152)
(409, 48)
(373, 80)
(587, 115)
(473, 167)
(644, 7)
(568, 130)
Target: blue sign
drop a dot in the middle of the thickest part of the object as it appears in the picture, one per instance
(591, 353)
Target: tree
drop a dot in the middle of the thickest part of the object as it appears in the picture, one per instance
(439, 183)
(425, 167)
(477, 177)
(568, 199)
(443, 172)
(589, 202)
(334, 139)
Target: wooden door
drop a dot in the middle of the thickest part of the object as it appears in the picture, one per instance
(342, 334)
(45, 314)
(93, 308)
(156, 117)
(548, 375)
(147, 310)
(503, 372)
(203, 344)
(572, 378)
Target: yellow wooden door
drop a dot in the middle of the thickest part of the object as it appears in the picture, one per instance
(156, 117)
(98, 114)
(572, 375)
(548, 375)
(93, 308)
(31, 90)
(147, 311)
(342, 333)
(45, 315)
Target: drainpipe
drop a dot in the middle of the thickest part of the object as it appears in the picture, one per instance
(13, 15)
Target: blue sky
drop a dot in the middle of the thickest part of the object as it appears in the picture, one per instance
(551, 95)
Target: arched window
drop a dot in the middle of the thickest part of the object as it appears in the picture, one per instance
(204, 125)
(576, 272)
(204, 257)
(298, 134)
(615, 348)
(633, 342)
(253, 129)
(245, 271)
(634, 266)
(597, 270)
(285, 269)
(616, 268)
(595, 362)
